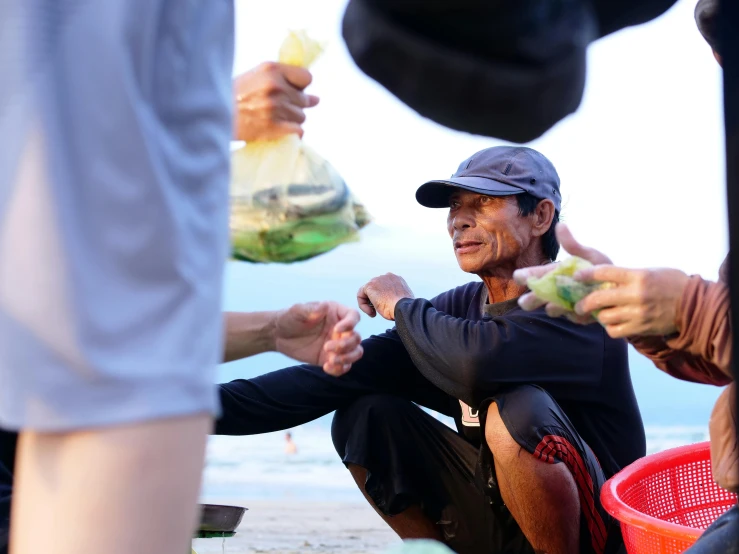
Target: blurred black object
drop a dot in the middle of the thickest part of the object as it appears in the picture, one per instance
(706, 18)
(509, 69)
(728, 26)
(8, 441)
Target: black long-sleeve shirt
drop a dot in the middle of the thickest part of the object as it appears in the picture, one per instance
(454, 351)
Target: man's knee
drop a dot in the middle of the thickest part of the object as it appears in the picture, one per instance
(380, 410)
(501, 439)
(498, 437)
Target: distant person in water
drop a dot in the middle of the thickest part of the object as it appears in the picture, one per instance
(290, 446)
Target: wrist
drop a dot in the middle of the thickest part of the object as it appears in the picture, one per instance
(271, 330)
(678, 306)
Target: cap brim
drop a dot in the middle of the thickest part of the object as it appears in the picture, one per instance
(435, 194)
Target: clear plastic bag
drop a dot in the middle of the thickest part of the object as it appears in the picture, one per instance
(559, 287)
(287, 203)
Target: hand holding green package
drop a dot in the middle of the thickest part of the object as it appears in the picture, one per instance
(559, 287)
(287, 203)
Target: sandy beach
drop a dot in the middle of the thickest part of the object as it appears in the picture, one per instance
(288, 526)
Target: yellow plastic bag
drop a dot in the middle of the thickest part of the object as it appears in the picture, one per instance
(288, 203)
(558, 286)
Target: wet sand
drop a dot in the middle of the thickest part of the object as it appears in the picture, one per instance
(303, 526)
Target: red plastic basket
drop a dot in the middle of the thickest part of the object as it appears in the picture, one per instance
(666, 500)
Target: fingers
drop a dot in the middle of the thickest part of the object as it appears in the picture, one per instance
(615, 316)
(311, 100)
(270, 101)
(580, 319)
(341, 344)
(554, 310)
(618, 331)
(567, 240)
(298, 77)
(605, 274)
(530, 302)
(574, 248)
(293, 97)
(295, 80)
(364, 302)
(290, 113)
(348, 322)
(521, 276)
(605, 298)
(338, 365)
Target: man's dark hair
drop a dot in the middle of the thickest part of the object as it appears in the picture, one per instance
(526, 206)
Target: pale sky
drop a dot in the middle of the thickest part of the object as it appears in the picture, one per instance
(641, 162)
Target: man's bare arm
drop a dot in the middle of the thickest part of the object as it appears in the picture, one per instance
(248, 334)
(318, 333)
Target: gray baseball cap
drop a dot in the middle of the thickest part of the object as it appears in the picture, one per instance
(497, 171)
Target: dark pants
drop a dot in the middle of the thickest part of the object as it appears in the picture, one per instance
(413, 459)
(8, 442)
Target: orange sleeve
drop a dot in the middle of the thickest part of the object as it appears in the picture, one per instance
(701, 351)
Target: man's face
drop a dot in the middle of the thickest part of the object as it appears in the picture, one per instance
(487, 232)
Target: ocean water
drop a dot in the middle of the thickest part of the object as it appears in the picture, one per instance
(256, 467)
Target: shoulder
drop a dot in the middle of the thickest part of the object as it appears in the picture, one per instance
(457, 299)
(560, 328)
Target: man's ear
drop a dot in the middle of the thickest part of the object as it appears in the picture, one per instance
(718, 58)
(543, 216)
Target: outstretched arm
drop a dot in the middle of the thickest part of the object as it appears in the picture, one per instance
(295, 395)
(472, 359)
(319, 333)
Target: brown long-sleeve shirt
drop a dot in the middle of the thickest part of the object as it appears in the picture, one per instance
(701, 353)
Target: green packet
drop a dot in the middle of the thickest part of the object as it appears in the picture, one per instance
(559, 287)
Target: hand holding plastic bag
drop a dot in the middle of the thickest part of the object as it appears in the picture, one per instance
(554, 285)
(559, 287)
(287, 203)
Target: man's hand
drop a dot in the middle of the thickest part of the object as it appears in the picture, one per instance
(381, 294)
(643, 302)
(320, 333)
(270, 102)
(530, 301)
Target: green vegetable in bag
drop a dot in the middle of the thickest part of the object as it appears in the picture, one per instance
(560, 288)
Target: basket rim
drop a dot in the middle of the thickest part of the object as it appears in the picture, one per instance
(611, 491)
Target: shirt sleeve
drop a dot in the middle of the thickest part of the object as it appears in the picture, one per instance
(295, 395)
(471, 360)
(701, 351)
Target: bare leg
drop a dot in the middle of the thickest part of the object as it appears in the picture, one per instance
(122, 490)
(410, 524)
(542, 497)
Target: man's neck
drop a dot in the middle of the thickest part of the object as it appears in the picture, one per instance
(500, 283)
(501, 289)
